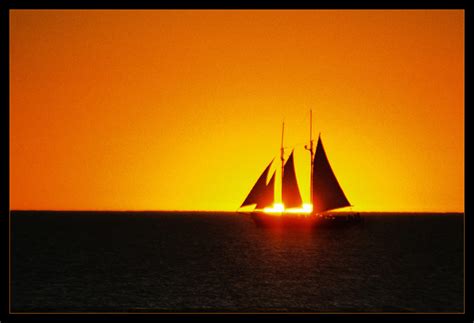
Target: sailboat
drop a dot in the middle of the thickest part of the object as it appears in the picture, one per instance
(326, 193)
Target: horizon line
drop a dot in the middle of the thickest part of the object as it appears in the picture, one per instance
(215, 211)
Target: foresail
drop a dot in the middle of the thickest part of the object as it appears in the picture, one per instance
(259, 193)
(290, 193)
(268, 196)
(327, 193)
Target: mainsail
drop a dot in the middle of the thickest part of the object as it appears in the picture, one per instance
(262, 193)
(290, 193)
(327, 193)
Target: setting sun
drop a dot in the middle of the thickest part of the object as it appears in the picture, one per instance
(280, 208)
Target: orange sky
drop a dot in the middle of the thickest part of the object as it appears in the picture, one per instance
(182, 110)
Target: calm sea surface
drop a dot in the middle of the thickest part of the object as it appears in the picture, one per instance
(208, 262)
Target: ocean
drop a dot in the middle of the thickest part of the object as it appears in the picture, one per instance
(77, 262)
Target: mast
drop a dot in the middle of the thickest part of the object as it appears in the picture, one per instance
(311, 150)
(282, 158)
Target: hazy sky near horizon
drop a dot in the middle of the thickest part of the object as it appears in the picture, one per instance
(182, 109)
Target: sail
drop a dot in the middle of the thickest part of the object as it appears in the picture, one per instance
(289, 190)
(268, 197)
(261, 193)
(327, 193)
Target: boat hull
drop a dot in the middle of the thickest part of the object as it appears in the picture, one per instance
(305, 220)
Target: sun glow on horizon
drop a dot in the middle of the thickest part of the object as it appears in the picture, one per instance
(306, 208)
(276, 208)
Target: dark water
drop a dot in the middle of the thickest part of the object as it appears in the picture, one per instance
(207, 262)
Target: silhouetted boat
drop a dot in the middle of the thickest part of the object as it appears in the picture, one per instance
(325, 191)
